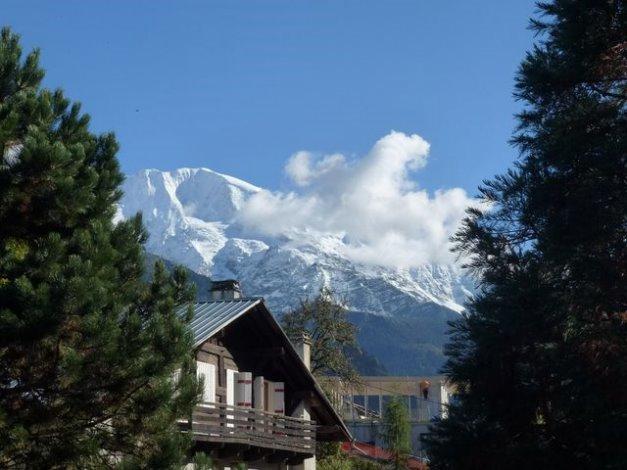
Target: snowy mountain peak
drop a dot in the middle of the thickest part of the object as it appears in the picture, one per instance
(187, 192)
(192, 216)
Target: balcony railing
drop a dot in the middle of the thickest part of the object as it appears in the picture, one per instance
(217, 422)
(353, 412)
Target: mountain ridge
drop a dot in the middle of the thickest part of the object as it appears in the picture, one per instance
(193, 218)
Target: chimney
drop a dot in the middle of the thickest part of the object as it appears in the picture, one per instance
(302, 344)
(225, 290)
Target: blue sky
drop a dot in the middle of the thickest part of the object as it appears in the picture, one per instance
(240, 86)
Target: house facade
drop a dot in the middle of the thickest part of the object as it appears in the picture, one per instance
(362, 406)
(261, 405)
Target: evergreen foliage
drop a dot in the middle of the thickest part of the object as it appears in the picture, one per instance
(335, 459)
(335, 462)
(202, 461)
(87, 347)
(539, 360)
(397, 432)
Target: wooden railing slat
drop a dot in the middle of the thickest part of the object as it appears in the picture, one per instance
(226, 423)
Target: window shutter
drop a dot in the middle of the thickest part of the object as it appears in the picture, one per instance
(278, 399)
(230, 387)
(244, 390)
(208, 373)
(230, 395)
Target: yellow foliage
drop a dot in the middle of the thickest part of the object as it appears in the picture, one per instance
(17, 249)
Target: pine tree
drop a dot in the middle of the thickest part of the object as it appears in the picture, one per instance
(539, 360)
(87, 348)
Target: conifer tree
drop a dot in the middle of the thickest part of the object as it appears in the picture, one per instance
(539, 360)
(87, 348)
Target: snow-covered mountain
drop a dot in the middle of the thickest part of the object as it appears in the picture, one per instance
(193, 218)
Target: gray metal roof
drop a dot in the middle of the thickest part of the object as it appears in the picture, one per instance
(211, 317)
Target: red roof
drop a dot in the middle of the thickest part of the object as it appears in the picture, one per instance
(370, 451)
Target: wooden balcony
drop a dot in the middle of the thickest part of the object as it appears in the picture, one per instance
(250, 428)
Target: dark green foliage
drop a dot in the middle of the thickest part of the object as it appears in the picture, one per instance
(326, 323)
(87, 347)
(202, 284)
(326, 449)
(539, 361)
(202, 461)
(397, 432)
(366, 464)
(334, 459)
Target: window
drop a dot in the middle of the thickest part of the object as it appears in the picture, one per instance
(386, 400)
(415, 407)
(347, 406)
(359, 405)
(373, 404)
(406, 399)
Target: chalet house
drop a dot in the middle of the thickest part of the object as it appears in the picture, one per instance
(261, 405)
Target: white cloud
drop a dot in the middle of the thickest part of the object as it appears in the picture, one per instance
(373, 202)
(301, 171)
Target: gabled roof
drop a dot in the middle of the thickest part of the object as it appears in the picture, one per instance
(210, 318)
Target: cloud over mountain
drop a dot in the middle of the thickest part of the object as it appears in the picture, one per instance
(373, 202)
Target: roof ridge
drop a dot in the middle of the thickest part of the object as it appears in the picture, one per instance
(242, 299)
